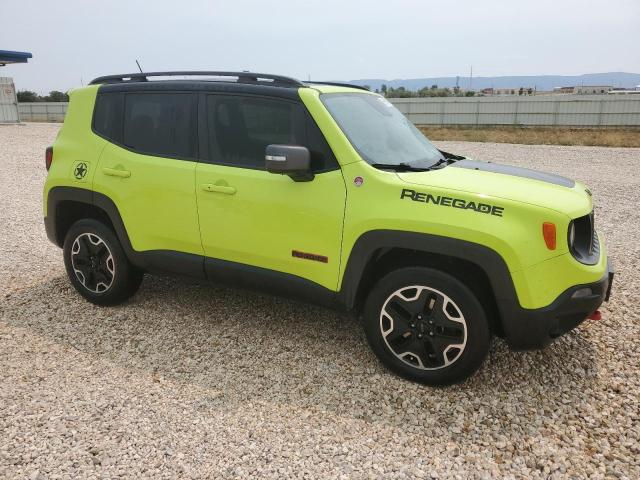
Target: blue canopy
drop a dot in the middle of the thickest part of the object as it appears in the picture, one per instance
(7, 56)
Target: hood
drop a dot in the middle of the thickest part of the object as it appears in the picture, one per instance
(511, 183)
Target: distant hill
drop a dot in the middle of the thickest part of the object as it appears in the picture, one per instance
(540, 82)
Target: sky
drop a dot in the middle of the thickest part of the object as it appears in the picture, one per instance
(73, 41)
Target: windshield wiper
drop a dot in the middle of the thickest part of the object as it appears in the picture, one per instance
(443, 162)
(398, 167)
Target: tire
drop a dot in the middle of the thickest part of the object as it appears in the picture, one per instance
(426, 326)
(96, 264)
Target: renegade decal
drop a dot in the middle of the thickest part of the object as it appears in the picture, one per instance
(310, 256)
(451, 202)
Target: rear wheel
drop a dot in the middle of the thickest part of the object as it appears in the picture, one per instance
(426, 326)
(96, 264)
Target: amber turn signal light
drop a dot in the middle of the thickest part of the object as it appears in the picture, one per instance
(549, 234)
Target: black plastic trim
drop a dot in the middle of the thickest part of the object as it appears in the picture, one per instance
(55, 197)
(371, 242)
(269, 281)
(535, 328)
(523, 328)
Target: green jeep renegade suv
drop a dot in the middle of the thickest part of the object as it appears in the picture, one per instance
(326, 193)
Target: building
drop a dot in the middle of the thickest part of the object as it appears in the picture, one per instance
(8, 98)
(592, 89)
(509, 91)
(564, 90)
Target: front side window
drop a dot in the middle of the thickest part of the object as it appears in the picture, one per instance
(162, 124)
(241, 127)
(380, 132)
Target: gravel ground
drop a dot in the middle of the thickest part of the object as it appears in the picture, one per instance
(190, 380)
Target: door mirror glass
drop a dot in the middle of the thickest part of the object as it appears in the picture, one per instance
(292, 160)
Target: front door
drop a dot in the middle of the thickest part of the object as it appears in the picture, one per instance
(260, 219)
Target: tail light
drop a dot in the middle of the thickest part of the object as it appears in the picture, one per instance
(48, 157)
(549, 234)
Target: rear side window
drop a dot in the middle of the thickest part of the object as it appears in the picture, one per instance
(240, 128)
(162, 124)
(107, 116)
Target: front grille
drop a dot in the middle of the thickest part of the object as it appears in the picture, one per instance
(586, 246)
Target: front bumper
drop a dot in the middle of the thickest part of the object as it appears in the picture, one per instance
(529, 329)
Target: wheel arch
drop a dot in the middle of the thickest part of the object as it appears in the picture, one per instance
(66, 205)
(482, 269)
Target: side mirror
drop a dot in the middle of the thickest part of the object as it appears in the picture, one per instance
(292, 160)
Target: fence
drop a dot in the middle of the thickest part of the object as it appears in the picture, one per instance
(42, 111)
(556, 110)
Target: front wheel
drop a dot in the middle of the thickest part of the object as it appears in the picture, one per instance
(96, 264)
(426, 326)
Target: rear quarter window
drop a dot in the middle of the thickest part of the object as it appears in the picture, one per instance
(107, 116)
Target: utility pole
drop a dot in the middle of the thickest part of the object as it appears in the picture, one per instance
(471, 78)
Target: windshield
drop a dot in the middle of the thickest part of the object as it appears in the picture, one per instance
(379, 131)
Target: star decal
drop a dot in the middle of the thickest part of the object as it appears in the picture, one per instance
(80, 170)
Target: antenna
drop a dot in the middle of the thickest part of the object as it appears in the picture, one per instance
(139, 67)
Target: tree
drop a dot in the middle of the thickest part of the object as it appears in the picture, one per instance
(383, 89)
(434, 87)
(27, 96)
(469, 93)
(56, 96)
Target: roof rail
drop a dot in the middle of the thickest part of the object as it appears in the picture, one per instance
(242, 77)
(338, 84)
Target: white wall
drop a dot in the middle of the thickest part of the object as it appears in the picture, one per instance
(548, 110)
(8, 101)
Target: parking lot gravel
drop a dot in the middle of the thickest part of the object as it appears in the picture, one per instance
(191, 381)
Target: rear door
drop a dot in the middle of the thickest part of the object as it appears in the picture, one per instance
(253, 217)
(148, 166)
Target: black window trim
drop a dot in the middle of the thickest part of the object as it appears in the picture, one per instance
(206, 158)
(202, 127)
(121, 144)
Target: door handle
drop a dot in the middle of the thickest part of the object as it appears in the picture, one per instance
(116, 172)
(210, 187)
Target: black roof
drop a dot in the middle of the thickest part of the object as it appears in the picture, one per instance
(201, 86)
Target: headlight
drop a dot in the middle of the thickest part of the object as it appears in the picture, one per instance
(583, 241)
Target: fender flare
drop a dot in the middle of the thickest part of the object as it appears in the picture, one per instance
(484, 257)
(57, 195)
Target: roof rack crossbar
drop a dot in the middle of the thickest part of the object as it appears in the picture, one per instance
(338, 84)
(242, 77)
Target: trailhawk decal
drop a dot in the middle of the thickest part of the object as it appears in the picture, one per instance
(451, 202)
